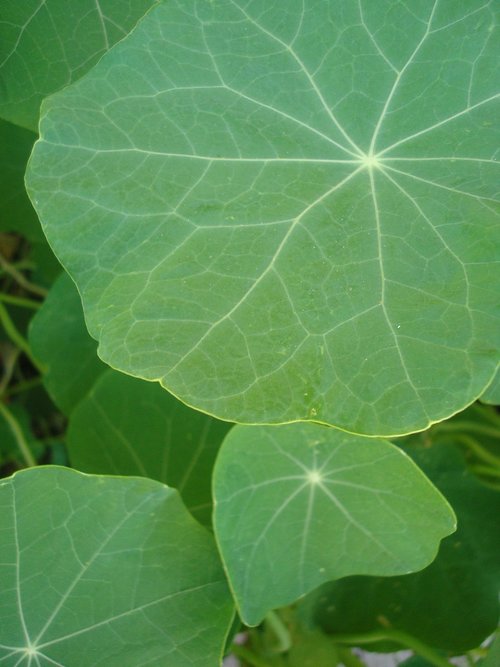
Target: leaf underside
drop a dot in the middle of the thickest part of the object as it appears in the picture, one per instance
(287, 213)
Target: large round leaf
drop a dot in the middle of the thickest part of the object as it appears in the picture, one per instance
(106, 572)
(301, 504)
(287, 212)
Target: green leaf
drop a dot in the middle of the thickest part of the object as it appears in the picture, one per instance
(493, 657)
(47, 44)
(299, 505)
(452, 604)
(287, 214)
(16, 213)
(126, 426)
(492, 393)
(106, 572)
(60, 340)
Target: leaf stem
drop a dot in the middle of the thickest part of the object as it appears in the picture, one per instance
(399, 637)
(9, 358)
(349, 659)
(478, 450)
(21, 279)
(247, 655)
(16, 337)
(465, 425)
(19, 301)
(25, 385)
(280, 630)
(18, 435)
(485, 470)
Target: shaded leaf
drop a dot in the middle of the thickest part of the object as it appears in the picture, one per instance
(287, 215)
(16, 213)
(59, 339)
(126, 426)
(299, 505)
(106, 572)
(47, 44)
(460, 587)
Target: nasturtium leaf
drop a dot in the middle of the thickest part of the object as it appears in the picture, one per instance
(302, 504)
(47, 44)
(492, 393)
(106, 572)
(286, 211)
(60, 340)
(452, 604)
(125, 426)
(16, 212)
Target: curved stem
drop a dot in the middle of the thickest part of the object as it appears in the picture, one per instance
(17, 338)
(248, 656)
(399, 637)
(20, 301)
(280, 630)
(486, 470)
(349, 659)
(464, 425)
(9, 358)
(18, 435)
(478, 450)
(21, 279)
(24, 385)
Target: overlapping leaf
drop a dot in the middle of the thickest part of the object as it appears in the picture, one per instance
(120, 425)
(16, 212)
(59, 339)
(287, 213)
(106, 572)
(46, 44)
(299, 505)
(126, 426)
(453, 603)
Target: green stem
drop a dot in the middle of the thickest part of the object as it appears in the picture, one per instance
(247, 655)
(17, 338)
(22, 265)
(25, 385)
(400, 638)
(349, 659)
(21, 279)
(464, 425)
(18, 435)
(10, 356)
(280, 630)
(486, 412)
(19, 301)
(478, 450)
(485, 470)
